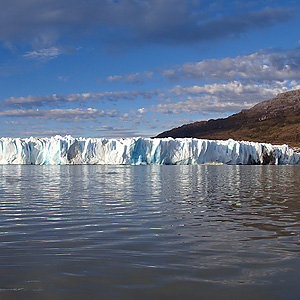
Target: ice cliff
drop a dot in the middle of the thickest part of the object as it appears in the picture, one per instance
(137, 151)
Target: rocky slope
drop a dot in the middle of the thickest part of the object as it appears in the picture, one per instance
(275, 121)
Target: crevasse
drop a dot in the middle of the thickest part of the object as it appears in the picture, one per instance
(137, 151)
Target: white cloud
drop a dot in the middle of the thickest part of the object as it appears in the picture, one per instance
(200, 105)
(50, 99)
(132, 78)
(216, 97)
(142, 111)
(61, 115)
(231, 97)
(239, 83)
(261, 67)
(257, 67)
(295, 85)
(43, 54)
(235, 91)
(114, 78)
(63, 78)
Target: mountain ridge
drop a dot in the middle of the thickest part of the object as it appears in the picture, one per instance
(275, 121)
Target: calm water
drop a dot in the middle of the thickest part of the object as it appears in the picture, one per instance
(149, 232)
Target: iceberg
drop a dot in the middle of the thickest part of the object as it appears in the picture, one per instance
(67, 150)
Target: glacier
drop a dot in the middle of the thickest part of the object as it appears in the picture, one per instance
(67, 150)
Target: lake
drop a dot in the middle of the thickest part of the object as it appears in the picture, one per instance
(149, 232)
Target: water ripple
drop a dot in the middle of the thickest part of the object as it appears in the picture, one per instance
(149, 231)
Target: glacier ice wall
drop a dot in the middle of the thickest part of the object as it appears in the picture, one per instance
(136, 151)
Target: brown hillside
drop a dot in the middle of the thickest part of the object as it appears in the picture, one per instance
(275, 121)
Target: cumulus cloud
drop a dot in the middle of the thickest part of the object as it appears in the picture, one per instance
(217, 98)
(63, 78)
(61, 115)
(235, 91)
(238, 83)
(114, 78)
(257, 67)
(60, 99)
(157, 21)
(142, 110)
(295, 85)
(198, 105)
(43, 54)
(263, 67)
(133, 78)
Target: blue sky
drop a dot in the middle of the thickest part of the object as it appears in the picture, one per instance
(124, 68)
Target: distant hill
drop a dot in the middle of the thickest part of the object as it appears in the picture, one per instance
(275, 121)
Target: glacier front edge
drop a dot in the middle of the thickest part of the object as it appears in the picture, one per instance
(138, 151)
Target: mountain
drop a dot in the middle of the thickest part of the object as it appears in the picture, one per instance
(275, 121)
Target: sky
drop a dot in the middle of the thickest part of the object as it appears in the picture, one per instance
(126, 68)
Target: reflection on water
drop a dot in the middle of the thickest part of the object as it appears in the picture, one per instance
(149, 232)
